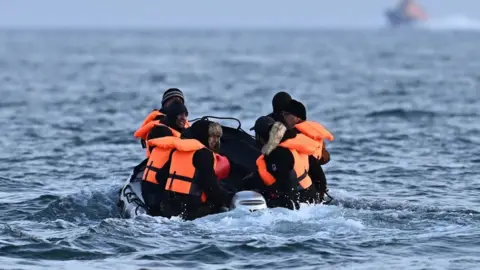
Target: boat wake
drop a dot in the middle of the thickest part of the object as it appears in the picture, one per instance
(452, 22)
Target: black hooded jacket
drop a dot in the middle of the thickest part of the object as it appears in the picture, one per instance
(203, 161)
(280, 164)
(173, 204)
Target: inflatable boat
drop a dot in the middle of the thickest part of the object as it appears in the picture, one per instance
(241, 150)
(131, 202)
(237, 145)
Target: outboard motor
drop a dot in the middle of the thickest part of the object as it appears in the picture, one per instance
(248, 200)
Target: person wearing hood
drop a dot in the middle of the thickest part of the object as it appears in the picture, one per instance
(283, 173)
(295, 117)
(179, 179)
(171, 95)
(279, 102)
(172, 124)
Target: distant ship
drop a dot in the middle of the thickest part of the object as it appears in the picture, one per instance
(406, 13)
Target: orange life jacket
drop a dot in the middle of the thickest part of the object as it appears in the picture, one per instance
(151, 116)
(154, 114)
(301, 147)
(181, 175)
(317, 132)
(142, 132)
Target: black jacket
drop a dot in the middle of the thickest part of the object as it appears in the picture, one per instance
(280, 164)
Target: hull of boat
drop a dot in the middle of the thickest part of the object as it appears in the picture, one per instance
(396, 20)
(407, 13)
(131, 202)
(242, 153)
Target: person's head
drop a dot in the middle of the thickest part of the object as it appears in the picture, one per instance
(262, 128)
(208, 133)
(294, 113)
(280, 101)
(176, 115)
(268, 133)
(171, 95)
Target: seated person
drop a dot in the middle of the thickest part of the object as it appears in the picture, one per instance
(283, 169)
(295, 117)
(172, 125)
(180, 176)
(279, 102)
(169, 96)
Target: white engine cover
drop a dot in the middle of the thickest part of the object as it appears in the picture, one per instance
(248, 200)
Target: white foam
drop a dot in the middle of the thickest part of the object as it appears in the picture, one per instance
(453, 22)
(312, 218)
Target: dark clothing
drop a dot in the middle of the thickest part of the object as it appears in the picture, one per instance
(276, 116)
(160, 118)
(168, 204)
(283, 193)
(159, 132)
(280, 164)
(207, 180)
(325, 157)
(200, 130)
(152, 196)
(296, 108)
(317, 175)
(280, 101)
(172, 92)
(173, 111)
(262, 126)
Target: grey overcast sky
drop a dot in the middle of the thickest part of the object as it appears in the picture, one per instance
(216, 13)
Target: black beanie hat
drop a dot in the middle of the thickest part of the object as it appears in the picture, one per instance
(280, 101)
(174, 109)
(172, 92)
(296, 108)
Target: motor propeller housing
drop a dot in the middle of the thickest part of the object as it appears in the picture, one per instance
(248, 200)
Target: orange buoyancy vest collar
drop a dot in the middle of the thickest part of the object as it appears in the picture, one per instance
(143, 132)
(181, 175)
(314, 130)
(151, 116)
(300, 147)
(302, 144)
(172, 142)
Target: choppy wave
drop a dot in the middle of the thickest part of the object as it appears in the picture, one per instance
(403, 170)
(401, 113)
